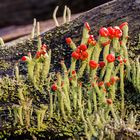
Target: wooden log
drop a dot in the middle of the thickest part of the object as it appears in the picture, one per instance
(23, 11)
(112, 13)
(11, 33)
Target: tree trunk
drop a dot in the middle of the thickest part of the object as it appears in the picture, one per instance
(112, 13)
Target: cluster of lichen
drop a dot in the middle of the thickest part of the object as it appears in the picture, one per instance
(79, 101)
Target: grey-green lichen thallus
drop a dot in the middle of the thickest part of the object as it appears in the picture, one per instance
(85, 100)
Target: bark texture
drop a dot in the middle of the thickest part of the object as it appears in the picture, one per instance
(112, 13)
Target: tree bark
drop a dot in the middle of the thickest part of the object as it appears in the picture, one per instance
(112, 13)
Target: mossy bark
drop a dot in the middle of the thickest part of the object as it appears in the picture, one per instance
(112, 13)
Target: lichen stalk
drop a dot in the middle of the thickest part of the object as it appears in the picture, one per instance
(94, 100)
(109, 69)
(122, 87)
(105, 53)
(33, 29)
(138, 73)
(51, 105)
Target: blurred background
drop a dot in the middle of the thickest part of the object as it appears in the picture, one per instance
(15, 15)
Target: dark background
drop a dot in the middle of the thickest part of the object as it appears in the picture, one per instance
(17, 12)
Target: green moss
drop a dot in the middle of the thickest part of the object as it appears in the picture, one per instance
(4, 65)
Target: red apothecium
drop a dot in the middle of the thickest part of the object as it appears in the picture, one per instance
(110, 58)
(84, 54)
(106, 43)
(101, 64)
(83, 47)
(109, 101)
(112, 80)
(68, 40)
(87, 26)
(124, 60)
(44, 46)
(54, 87)
(38, 54)
(93, 64)
(123, 24)
(73, 72)
(108, 84)
(75, 55)
(111, 32)
(78, 50)
(91, 38)
(93, 42)
(100, 83)
(24, 58)
(118, 32)
(104, 32)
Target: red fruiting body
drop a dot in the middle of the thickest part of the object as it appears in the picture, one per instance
(104, 32)
(110, 58)
(92, 84)
(108, 84)
(118, 32)
(122, 25)
(75, 55)
(44, 46)
(93, 42)
(24, 58)
(111, 32)
(84, 54)
(100, 83)
(93, 64)
(124, 60)
(101, 64)
(43, 51)
(119, 58)
(38, 54)
(106, 43)
(89, 40)
(87, 26)
(62, 84)
(68, 40)
(109, 101)
(91, 37)
(83, 47)
(73, 72)
(83, 58)
(54, 87)
(121, 62)
(121, 43)
(78, 50)
(112, 80)
(70, 78)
